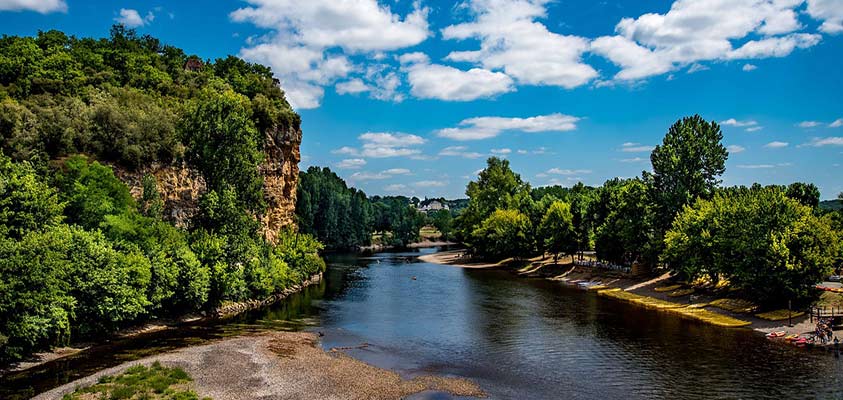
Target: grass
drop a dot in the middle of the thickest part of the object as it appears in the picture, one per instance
(429, 232)
(697, 313)
(140, 383)
(779, 315)
(735, 305)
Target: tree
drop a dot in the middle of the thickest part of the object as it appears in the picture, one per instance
(443, 221)
(805, 193)
(91, 192)
(764, 243)
(27, 203)
(557, 230)
(687, 165)
(495, 188)
(505, 233)
(624, 235)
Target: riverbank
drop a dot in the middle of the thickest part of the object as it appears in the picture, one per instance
(288, 365)
(418, 245)
(647, 289)
(226, 310)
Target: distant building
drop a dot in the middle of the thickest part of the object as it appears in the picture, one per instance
(434, 205)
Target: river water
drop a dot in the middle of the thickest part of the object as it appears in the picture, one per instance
(517, 338)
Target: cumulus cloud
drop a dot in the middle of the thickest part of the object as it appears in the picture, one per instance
(351, 163)
(352, 86)
(826, 141)
(385, 174)
(809, 124)
(693, 31)
(39, 6)
(487, 127)
(776, 145)
(634, 160)
(396, 188)
(442, 82)
(837, 123)
(749, 67)
(310, 42)
(828, 11)
(513, 40)
(384, 145)
(740, 124)
(735, 149)
(459, 151)
(132, 18)
(501, 151)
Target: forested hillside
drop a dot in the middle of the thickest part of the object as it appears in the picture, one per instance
(79, 255)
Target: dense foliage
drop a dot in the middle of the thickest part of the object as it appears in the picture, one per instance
(345, 218)
(772, 242)
(765, 243)
(79, 255)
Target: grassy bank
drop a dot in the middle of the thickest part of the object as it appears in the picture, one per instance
(140, 382)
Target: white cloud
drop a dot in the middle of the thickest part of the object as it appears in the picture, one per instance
(487, 127)
(397, 171)
(826, 141)
(434, 81)
(558, 171)
(522, 151)
(809, 124)
(431, 183)
(836, 124)
(309, 42)
(776, 145)
(634, 160)
(40, 6)
(414, 58)
(352, 86)
(459, 151)
(369, 176)
(697, 68)
(383, 145)
(351, 163)
(749, 67)
(763, 166)
(630, 147)
(754, 128)
(735, 149)
(132, 18)
(830, 12)
(353, 25)
(513, 40)
(740, 124)
(501, 151)
(693, 31)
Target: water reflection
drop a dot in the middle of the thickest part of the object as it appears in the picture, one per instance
(518, 338)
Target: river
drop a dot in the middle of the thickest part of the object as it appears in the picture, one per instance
(517, 338)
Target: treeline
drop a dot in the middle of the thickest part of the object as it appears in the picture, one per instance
(771, 242)
(79, 256)
(345, 218)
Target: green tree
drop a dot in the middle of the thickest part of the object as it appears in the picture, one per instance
(443, 221)
(624, 235)
(27, 203)
(91, 192)
(764, 243)
(505, 233)
(687, 165)
(557, 230)
(495, 188)
(805, 193)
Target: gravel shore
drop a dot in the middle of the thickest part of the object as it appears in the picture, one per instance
(283, 365)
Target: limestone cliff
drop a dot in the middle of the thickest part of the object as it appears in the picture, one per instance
(181, 187)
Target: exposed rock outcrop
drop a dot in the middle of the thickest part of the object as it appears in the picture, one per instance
(181, 187)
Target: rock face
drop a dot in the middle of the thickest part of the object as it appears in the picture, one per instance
(280, 172)
(181, 187)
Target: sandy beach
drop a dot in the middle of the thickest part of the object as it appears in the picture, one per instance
(566, 273)
(283, 365)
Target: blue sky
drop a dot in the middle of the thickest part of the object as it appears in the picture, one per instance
(410, 97)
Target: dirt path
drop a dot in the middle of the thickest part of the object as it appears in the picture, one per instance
(283, 365)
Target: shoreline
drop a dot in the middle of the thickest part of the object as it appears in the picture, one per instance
(283, 365)
(571, 275)
(221, 312)
(416, 245)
